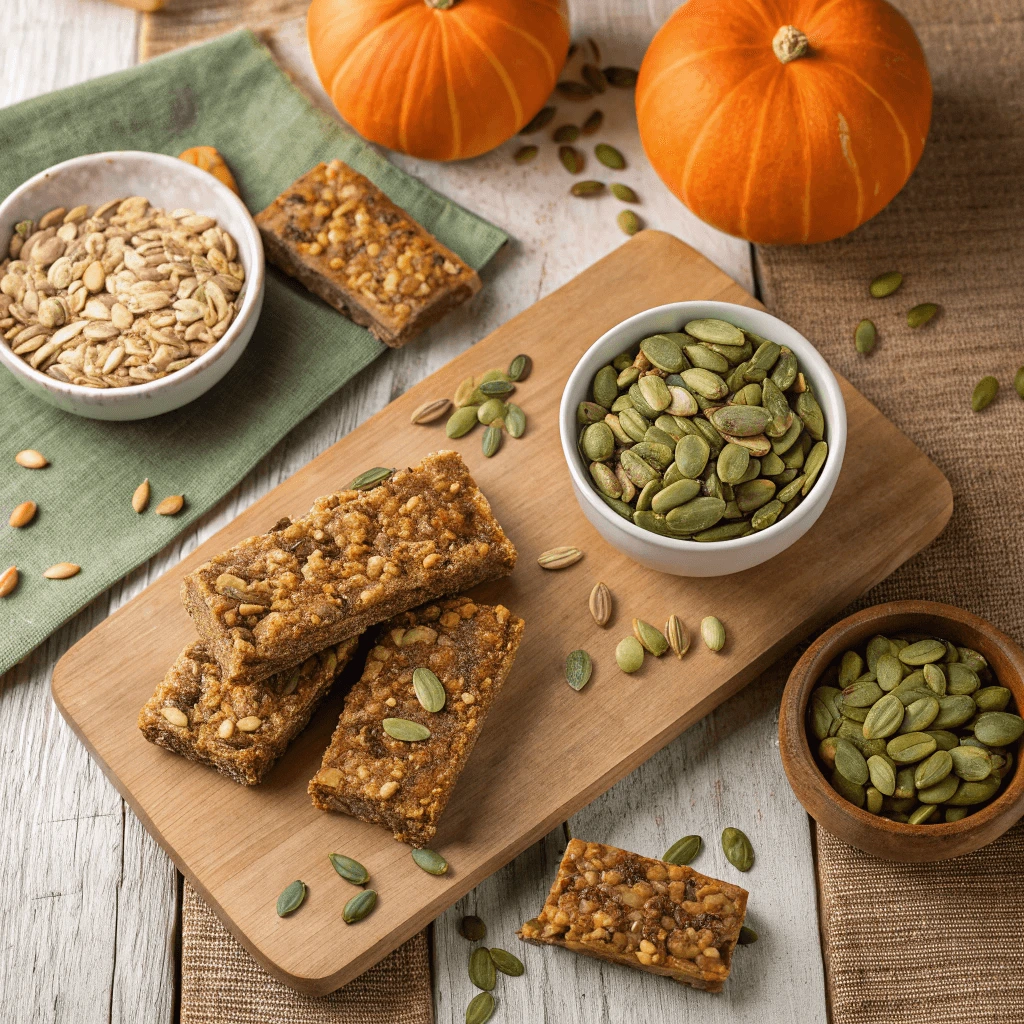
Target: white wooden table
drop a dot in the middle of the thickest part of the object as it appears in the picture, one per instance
(89, 904)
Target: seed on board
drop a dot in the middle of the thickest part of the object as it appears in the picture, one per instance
(683, 851)
(886, 284)
(623, 192)
(473, 928)
(652, 638)
(984, 393)
(559, 558)
(712, 632)
(678, 636)
(864, 337)
(601, 604)
(359, 906)
(31, 459)
(525, 154)
(520, 368)
(291, 898)
(539, 120)
(572, 159)
(481, 969)
(349, 869)
(430, 411)
(492, 440)
(629, 654)
(62, 571)
(921, 314)
(462, 421)
(737, 849)
(593, 123)
(369, 479)
(506, 962)
(430, 861)
(578, 669)
(609, 156)
(140, 497)
(629, 222)
(582, 189)
(23, 514)
(403, 729)
(480, 1009)
(8, 580)
(171, 505)
(515, 420)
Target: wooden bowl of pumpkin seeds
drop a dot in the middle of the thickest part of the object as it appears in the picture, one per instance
(702, 438)
(900, 731)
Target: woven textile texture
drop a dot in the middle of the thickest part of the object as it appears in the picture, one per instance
(937, 942)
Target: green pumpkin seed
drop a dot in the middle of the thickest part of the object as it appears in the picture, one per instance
(932, 770)
(920, 714)
(821, 717)
(683, 851)
(491, 410)
(349, 869)
(972, 659)
(998, 728)
(923, 652)
(747, 936)
(984, 393)
(908, 748)
(525, 154)
(592, 123)
(653, 522)
(578, 668)
(810, 413)
(566, 133)
(674, 495)
(740, 420)
(598, 442)
(850, 763)
(921, 815)
(706, 358)
(539, 120)
(607, 482)
(718, 332)
(507, 963)
(628, 222)
(655, 393)
(634, 423)
(637, 469)
(935, 679)
(992, 698)
(812, 467)
(291, 898)
(724, 531)
(664, 351)
(873, 800)
(827, 750)
(430, 692)
(473, 928)
(737, 849)
(359, 906)
(696, 515)
(430, 861)
(971, 763)
(629, 654)
(609, 156)
(515, 420)
(583, 189)
(886, 284)
(921, 314)
(733, 461)
(623, 192)
(691, 456)
(889, 670)
(885, 716)
(712, 633)
(954, 711)
(492, 441)
(766, 515)
(864, 337)
(750, 496)
(463, 420)
(590, 412)
(403, 729)
(970, 793)
(594, 77)
(496, 388)
(371, 478)
(882, 774)
(961, 679)
(520, 368)
(480, 1008)
(572, 159)
(481, 969)
(851, 667)
(621, 78)
(605, 387)
(905, 788)
(955, 813)
(652, 638)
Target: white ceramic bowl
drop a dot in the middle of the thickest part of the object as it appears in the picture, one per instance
(170, 184)
(685, 557)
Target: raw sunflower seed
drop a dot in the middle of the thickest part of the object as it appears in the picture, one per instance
(574, 90)
(886, 284)
(431, 862)
(472, 928)
(520, 368)
(481, 969)
(921, 314)
(601, 604)
(984, 393)
(566, 133)
(864, 337)
(587, 188)
(371, 478)
(609, 156)
(539, 120)
(621, 78)
(430, 691)
(507, 962)
(592, 123)
(492, 440)
(623, 192)
(525, 154)
(359, 906)
(349, 869)
(578, 668)
(403, 729)
(737, 849)
(559, 558)
(291, 899)
(480, 1008)
(629, 222)
(683, 851)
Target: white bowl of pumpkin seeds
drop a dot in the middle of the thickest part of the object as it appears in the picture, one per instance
(702, 438)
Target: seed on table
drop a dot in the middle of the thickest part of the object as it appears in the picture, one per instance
(594, 77)
(609, 156)
(23, 514)
(712, 632)
(678, 636)
(650, 637)
(520, 368)
(623, 192)
(539, 120)
(566, 133)
(574, 90)
(507, 962)
(747, 936)
(578, 669)
(430, 411)
(8, 580)
(31, 459)
(629, 654)
(349, 869)
(291, 898)
(525, 154)
(886, 284)
(171, 505)
(572, 159)
(984, 393)
(601, 604)
(359, 906)
(621, 78)
(737, 849)
(480, 1009)
(473, 928)
(62, 571)
(492, 440)
(430, 861)
(921, 314)
(593, 123)
(559, 558)
(515, 420)
(481, 969)
(683, 851)
(864, 337)
(1018, 382)
(583, 189)
(629, 222)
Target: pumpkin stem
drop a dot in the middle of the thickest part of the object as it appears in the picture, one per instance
(440, 5)
(788, 44)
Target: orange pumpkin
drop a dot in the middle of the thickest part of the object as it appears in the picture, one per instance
(440, 79)
(784, 121)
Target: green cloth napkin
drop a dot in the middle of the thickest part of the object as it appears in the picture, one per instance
(228, 93)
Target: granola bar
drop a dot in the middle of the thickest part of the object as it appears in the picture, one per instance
(341, 237)
(240, 729)
(402, 785)
(644, 913)
(356, 559)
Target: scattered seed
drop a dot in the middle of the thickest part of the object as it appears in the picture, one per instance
(984, 393)
(578, 669)
(593, 122)
(520, 367)
(481, 969)
(472, 928)
(507, 962)
(587, 188)
(559, 558)
(747, 936)
(921, 314)
(8, 580)
(31, 459)
(291, 898)
(594, 77)
(886, 284)
(431, 862)
(621, 78)
(652, 639)
(359, 906)
(515, 420)
(371, 478)
(713, 633)
(623, 192)
(492, 440)
(403, 729)
(1018, 382)
(538, 121)
(430, 411)
(678, 636)
(23, 514)
(525, 154)
(574, 90)
(683, 851)
(595, 50)
(62, 571)
(629, 654)
(864, 337)
(566, 133)
(628, 221)
(496, 388)
(572, 159)
(480, 1008)
(601, 604)
(349, 869)
(171, 505)
(140, 499)
(737, 849)
(430, 691)
(609, 156)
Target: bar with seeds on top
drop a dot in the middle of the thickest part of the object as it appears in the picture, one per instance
(644, 913)
(356, 559)
(240, 729)
(340, 236)
(405, 785)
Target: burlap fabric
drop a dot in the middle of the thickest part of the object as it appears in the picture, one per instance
(222, 984)
(942, 942)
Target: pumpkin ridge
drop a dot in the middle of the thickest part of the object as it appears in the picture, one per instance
(407, 97)
(531, 39)
(808, 164)
(453, 107)
(762, 16)
(384, 26)
(755, 147)
(506, 81)
(851, 161)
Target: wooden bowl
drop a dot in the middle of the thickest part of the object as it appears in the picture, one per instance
(892, 840)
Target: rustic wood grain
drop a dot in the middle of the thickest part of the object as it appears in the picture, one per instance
(249, 844)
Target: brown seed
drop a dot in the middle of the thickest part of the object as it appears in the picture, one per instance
(23, 514)
(525, 154)
(587, 188)
(601, 604)
(170, 506)
(8, 580)
(595, 50)
(594, 77)
(621, 78)
(538, 121)
(140, 499)
(572, 159)
(62, 571)
(574, 90)
(592, 123)
(566, 133)
(31, 459)
(430, 411)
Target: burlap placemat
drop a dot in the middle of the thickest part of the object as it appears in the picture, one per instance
(222, 984)
(941, 942)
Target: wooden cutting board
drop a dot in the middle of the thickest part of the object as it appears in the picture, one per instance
(546, 750)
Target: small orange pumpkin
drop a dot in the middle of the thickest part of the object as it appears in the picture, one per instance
(440, 79)
(784, 121)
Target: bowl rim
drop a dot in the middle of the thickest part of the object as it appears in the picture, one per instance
(254, 281)
(804, 677)
(836, 425)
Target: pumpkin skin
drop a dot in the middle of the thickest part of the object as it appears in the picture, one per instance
(438, 79)
(774, 152)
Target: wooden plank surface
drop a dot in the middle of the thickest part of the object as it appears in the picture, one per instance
(247, 845)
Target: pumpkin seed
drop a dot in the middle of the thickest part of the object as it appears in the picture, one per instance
(601, 604)
(359, 906)
(430, 691)
(953, 711)
(349, 869)
(683, 851)
(609, 156)
(992, 698)
(480, 1008)
(507, 962)
(572, 159)
(984, 393)
(525, 154)
(592, 123)
(430, 411)
(492, 440)
(885, 716)
(520, 368)
(921, 814)
(628, 221)
(403, 729)
(921, 314)
(621, 78)
(1018, 381)
(539, 120)
(882, 774)
(587, 188)
(652, 638)
(559, 558)
(430, 861)
(462, 421)
(886, 284)
(291, 898)
(566, 133)
(481, 969)
(473, 928)
(515, 420)
(747, 936)
(969, 793)
(623, 192)
(998, 728)
(910, 747)
(850, 763)
(712, 633)
(737, 849)
(677, 635)
(629, 654)
(574, 90)
(578, 668)
(594, 77)
(371, 478)
(933, 769)
(864, 337)
(971, 763)
(920, 714)
(923, 652)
